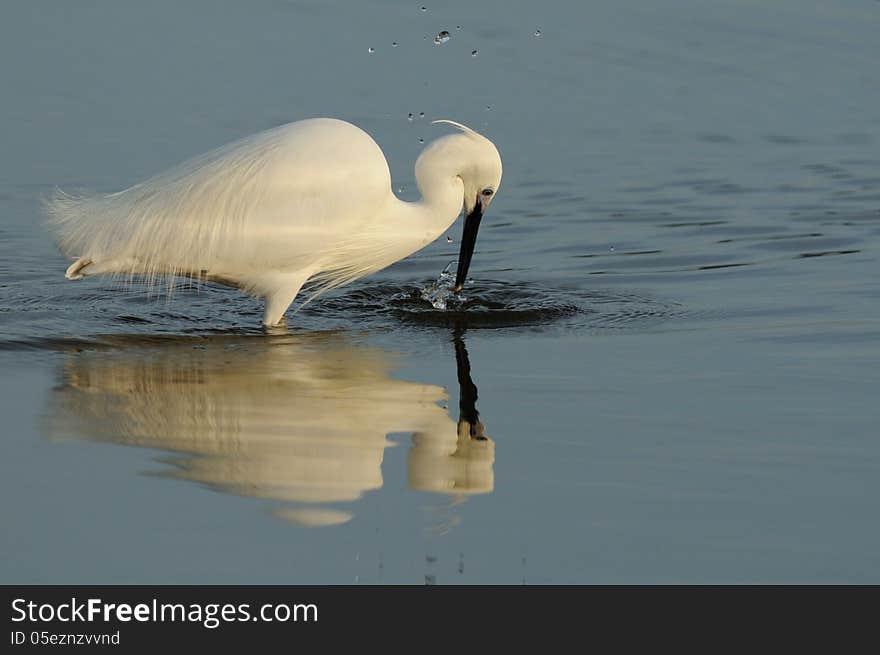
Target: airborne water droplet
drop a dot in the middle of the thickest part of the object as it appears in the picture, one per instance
(441, 38)
(421, 114)
(424, 8)
(537, 32)
(371, 49)
(448, 239)
(394, 44)
(409, 117)
(474, 53)
(421, 140)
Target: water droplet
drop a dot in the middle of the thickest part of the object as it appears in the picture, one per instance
(394, 44)
(448, 239)
(371, 49)
(424, 8)
(441, 38)
(488, 107)
(458, 27)
(537, 32)
(409, 117)
(421, 114)
(611, 249)
(421, 140)
(400, 189)
(474, 53)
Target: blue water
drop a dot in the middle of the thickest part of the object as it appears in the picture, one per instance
(666, 368)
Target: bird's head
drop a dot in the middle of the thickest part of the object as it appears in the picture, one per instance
(476, 163)
(481, 174)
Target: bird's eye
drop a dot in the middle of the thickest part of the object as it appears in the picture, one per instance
(488, 192)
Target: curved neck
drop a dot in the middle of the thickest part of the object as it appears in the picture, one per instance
(441, 188)
(442, 198)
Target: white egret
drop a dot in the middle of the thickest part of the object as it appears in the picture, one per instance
(309, 201)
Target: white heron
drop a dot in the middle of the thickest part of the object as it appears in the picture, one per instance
(310, 201)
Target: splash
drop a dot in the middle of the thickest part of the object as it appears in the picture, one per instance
(440, 292)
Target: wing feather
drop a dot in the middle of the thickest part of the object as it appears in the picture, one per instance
(272, 201)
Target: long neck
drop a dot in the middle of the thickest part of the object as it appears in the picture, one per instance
(442, 198)
(441, 188)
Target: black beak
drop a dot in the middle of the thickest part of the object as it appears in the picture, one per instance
(468, 241)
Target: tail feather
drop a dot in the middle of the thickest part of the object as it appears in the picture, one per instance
(185, 219)
(76, 270)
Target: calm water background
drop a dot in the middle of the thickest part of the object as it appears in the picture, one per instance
(674, 328)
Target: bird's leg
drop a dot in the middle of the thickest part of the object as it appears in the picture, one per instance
(284, 290)
(276, 305)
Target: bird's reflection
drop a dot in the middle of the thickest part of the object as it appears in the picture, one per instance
(462, 461)
(301, 419)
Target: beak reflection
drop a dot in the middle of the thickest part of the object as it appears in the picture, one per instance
(462, 462)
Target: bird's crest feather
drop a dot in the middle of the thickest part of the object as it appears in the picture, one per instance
(463, 128)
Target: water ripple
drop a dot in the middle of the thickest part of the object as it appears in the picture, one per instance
(495, 304)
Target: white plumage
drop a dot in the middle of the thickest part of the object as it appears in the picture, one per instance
(308, 201)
